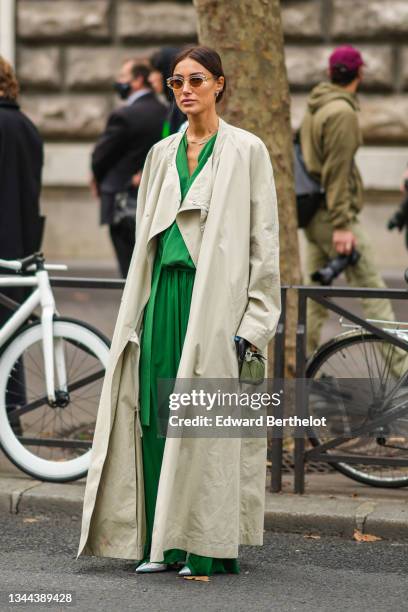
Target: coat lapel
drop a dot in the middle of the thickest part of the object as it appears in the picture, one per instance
(193, 212)
(195, 204)
(170, 194)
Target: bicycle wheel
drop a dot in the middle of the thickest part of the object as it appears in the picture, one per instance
(51, 443)
(382, 365)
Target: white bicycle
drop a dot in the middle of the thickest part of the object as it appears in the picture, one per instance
(51, 373)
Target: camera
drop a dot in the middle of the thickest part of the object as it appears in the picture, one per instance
(334, 267)
(399, 219)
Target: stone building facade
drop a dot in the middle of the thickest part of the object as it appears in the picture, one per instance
(67, 52)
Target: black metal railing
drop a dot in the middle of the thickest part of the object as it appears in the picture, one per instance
(322, 295)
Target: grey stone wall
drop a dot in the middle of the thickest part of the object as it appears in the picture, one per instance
(69, 50)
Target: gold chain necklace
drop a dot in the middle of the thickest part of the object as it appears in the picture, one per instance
(200, 142)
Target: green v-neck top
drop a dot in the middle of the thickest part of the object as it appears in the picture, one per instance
(182, 163)
(172, 249)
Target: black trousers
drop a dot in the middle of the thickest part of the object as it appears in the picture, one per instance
(123, 239)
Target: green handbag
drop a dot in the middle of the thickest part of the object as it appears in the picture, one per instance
(252, 369)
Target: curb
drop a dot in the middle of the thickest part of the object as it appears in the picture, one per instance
(336, 515)
(333, 515)
(27, 495)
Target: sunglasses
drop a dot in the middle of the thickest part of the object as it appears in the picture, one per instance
(195, 80)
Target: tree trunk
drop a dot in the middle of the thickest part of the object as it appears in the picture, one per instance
(248, 36)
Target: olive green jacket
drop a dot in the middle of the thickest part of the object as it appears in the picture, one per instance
(330, 136)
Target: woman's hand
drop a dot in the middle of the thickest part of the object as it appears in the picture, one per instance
(250, 346)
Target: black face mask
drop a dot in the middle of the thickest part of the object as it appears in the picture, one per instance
(122, 89)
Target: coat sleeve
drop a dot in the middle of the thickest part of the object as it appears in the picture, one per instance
(261, 317)
(341, 141)
(111, 146)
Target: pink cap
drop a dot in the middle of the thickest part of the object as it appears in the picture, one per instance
(347, 56)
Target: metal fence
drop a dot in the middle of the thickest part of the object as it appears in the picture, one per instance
(324, 296)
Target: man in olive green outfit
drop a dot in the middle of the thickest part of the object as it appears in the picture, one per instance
(330, 137)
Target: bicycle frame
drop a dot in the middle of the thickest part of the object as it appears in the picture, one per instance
(399, 328)
(43, 296)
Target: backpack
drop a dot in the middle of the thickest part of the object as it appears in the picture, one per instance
(309, 192)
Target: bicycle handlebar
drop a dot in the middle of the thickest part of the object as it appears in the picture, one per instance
(50, 267)
(30, 263)
(10, 265)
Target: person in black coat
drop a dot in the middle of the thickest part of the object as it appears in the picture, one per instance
(21, 225)
(21, 160)
(120, 153)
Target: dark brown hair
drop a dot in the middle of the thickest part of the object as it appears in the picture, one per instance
(207, 57)
(9, 87)
(141, 70)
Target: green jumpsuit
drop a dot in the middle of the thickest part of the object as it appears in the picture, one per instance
(164, 329)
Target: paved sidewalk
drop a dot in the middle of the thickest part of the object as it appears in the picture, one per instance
(332, 505)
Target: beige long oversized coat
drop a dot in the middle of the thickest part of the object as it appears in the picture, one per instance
(212, 490)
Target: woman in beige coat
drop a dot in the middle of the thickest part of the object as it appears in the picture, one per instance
(205, 269)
